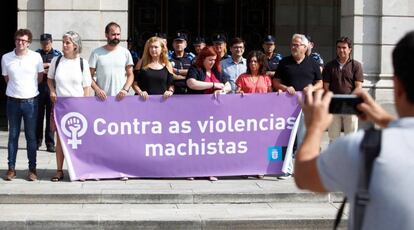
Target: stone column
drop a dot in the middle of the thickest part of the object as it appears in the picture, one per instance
(88, 18)
(375, 26)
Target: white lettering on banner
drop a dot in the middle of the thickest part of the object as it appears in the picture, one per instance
(101, 127)
(249, 125)
(271, 123)
(192, 148)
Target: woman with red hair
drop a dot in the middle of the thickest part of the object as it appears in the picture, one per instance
(206, 76)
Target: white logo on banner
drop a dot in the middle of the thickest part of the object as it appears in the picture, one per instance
(77, 125)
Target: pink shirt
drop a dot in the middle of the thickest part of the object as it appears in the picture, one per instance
(247, 84)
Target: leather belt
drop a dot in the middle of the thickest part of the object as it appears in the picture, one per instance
(20, 100)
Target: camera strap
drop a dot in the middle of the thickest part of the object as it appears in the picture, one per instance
(370, 148)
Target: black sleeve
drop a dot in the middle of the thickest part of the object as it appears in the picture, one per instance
(317, 71)
(169, 79)
(326, 75)
(280, 70)
(192, 73)
(137, 74)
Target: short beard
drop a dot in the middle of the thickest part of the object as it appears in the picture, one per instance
(113, 42)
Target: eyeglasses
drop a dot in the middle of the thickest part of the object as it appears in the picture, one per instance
(238, 47)
(21, 40)
(296, 45)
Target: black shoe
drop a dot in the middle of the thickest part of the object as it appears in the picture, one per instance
(51, 148)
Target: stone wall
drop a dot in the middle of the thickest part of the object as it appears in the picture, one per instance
(87, 17)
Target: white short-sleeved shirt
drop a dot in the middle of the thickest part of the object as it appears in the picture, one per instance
(69, 79)
(392, 182)
(22, 72)
(110, 68)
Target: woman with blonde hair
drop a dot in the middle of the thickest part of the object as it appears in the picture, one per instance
(155, 75)
(68, 76)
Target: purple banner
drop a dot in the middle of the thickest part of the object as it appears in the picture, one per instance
(183, 136)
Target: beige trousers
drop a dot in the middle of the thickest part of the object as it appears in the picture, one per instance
(349, 122)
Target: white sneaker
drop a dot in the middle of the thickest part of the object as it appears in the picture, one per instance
(284, 176)
(125, 178)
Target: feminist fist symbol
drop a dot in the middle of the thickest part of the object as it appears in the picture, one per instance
(77, 125)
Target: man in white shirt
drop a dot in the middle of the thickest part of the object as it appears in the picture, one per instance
(112, 66)
(22, 70)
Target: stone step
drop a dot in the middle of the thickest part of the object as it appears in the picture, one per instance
(168, 216)
(160, 191)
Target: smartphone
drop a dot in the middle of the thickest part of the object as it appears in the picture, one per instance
(344, 104)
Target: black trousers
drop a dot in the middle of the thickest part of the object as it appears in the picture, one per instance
(44, 109)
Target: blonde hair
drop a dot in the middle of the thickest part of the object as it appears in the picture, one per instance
(146, 57)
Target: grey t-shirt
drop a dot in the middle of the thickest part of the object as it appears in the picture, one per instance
(110, 68)
(392, 181)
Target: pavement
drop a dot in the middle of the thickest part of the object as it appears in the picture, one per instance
(229, 203)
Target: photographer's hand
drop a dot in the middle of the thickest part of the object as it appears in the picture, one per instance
(315, 106)
(371, 111)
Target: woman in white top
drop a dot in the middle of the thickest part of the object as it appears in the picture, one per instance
(67, 77)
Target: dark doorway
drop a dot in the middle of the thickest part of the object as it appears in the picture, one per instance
(249, 19)
(8, 13)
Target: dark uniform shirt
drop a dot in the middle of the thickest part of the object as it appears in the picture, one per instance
(183, 62)
(342, 81)
(135, 56)
(317, 57)
(297, 75)
(47, 58)
(273, 62)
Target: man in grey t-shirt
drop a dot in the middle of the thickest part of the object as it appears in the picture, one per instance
(337, 168)
(113, 66)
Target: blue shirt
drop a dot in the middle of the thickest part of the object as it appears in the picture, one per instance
(391, 187)
(234, 70)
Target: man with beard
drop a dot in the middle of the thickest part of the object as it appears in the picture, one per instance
(113, 66)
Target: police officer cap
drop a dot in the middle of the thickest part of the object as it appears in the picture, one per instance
(219, 38)
(309, 38)
(130, 39)
(161, 35)
(180, 37)
(199, 40)
(269, 39)
(45, 37)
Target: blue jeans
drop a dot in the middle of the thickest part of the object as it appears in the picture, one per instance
(16, 110)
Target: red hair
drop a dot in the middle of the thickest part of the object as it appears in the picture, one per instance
(207, 52)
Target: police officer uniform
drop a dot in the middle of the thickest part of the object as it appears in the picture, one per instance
(178, 63)
(134, 53)
(273, 61)
(44, 102)
(219, 39)
(315, 56)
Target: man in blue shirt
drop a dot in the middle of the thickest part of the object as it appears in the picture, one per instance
(236, 64)
(44, 103)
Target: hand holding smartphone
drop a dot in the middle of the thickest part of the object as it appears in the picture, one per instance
(344, 104)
